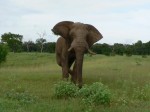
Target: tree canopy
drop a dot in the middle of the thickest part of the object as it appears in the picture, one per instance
(3, 52)
(14, 41)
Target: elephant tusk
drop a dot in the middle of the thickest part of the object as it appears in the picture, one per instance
(70, 48)
(91, 52)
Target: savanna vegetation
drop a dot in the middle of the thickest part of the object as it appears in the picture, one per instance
(31, 82)
(3, 53)
(15, 44)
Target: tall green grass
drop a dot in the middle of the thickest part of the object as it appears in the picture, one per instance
(33, 76)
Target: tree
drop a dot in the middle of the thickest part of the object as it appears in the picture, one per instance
(14, 41)
(138, 48)
(49, 47)
(106, 49)
(128, 50)
(147, 46)
(3, 52)
(119, 49)
(28, 46)
(40, 41)
(97, 48)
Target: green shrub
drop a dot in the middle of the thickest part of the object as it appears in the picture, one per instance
(3, 53)
(20, 95)
(84, 92)
(96, 94)
(65, 89)
(142, 93)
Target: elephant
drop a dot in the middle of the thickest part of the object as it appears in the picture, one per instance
(76, 40)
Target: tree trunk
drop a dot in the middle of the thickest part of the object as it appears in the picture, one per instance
(27, 48)
(41, 48)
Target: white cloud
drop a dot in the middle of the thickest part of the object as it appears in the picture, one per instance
(118, 20)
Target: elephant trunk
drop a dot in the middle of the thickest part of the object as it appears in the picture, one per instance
(79, 65)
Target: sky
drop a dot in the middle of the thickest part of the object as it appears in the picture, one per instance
(119, 21)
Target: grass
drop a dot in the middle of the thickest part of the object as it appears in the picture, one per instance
(33, 75)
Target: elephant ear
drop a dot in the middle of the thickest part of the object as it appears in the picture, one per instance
(62, 28)
(93, 35)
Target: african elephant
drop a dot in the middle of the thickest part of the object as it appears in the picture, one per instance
(75, 40)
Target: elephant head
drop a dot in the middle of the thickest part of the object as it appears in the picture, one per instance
(80, 37)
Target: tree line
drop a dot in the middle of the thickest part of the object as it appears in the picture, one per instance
(137, 48)
(15, 44)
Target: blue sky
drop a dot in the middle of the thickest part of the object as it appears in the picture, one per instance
(119, 21)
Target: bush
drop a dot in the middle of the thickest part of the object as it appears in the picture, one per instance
(20, 95)
(96, 94)
(3, 53)
(142, 93)
(65, 89)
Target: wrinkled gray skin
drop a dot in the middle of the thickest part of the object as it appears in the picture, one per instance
(75, 40)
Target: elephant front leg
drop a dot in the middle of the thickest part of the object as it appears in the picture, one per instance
(65, 74)
(65, 70)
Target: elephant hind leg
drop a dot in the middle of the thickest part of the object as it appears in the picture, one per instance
(65, 69)
(58, 59)
(65, 73)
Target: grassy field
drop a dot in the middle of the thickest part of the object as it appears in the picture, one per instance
(27, 83)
